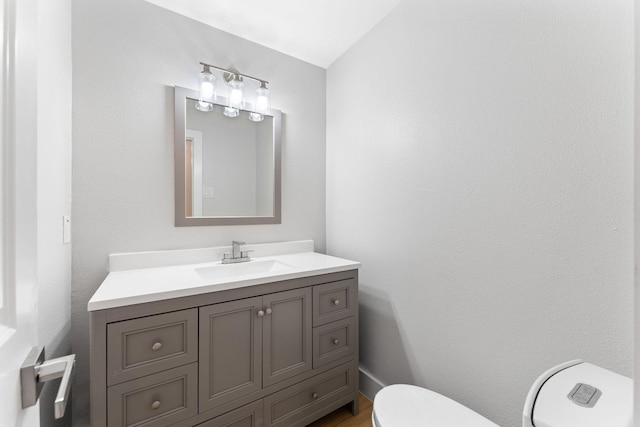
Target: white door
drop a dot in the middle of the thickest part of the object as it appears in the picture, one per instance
(18, 220)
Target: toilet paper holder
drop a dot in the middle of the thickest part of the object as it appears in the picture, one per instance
(35, 371)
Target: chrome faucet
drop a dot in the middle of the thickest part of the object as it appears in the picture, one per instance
(236, 255)
(235, 249)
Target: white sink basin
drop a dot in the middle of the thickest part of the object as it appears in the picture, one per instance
(221, 271)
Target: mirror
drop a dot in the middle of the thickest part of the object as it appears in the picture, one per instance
(227, 169)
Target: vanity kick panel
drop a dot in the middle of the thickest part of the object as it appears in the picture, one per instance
(283, 358)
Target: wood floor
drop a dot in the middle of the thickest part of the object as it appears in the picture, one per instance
(343, 418)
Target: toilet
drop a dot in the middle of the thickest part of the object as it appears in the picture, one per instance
(572, 394)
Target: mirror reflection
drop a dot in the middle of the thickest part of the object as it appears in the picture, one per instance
(227, 168)
(229, 165)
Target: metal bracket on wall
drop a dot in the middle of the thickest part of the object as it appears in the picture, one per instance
(35, 372)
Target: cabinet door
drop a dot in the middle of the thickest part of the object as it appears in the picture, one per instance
(230, 351)
(286, 335)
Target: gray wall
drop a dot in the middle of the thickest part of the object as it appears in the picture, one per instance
(480, 165)
(127, 56)
(54, 190)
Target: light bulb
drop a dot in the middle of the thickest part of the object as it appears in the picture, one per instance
(263, 102)
(206, 90)
(235, 97)
(206, 87)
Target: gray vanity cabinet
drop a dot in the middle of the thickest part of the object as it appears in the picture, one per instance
(277, 354)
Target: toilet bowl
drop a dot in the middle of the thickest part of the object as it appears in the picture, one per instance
(570, 394)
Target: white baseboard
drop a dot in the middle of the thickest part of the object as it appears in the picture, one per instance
(369, 385)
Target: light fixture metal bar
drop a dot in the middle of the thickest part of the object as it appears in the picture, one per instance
(234, 72)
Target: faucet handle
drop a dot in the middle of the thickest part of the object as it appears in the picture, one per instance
(245, 254)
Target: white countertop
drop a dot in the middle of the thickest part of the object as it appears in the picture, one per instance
(141, 285)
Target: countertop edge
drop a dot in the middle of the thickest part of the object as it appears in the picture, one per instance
(204, 289)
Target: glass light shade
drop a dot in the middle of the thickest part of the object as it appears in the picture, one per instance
(256, 117)
(231, 112)
(263, 101)
(203, 106)
(206, 86)
(235, 96)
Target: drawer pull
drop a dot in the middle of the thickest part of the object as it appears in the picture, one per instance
(336, 341)
(155, 405)
(314, 396)
(156, 346)
(260, 313)
(269, 311)
(336, 302)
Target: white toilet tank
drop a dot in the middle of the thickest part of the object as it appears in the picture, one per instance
(578, 394)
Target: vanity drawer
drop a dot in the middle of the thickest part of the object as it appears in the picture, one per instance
(247, 416)
(151, 344)
(333, 341)
(334, 301)
(159, 400)
(298, 404)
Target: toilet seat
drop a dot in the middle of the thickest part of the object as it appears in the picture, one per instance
(403, 405)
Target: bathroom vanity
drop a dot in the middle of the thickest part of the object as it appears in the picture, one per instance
(270, 342)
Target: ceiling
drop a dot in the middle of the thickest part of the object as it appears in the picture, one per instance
(314, 31)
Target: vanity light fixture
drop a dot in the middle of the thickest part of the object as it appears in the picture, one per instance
(263, 101)
(206, 90)
(236, 84)
(236, 101)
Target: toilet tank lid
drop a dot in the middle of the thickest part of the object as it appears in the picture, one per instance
(605, 399)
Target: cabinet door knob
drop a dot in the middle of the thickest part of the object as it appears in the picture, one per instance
(314, 396)
(156, 346)
(155, 405)
(336, 302)
(260, 313)
(336, 341)
(269, 311)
